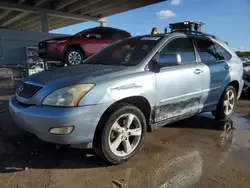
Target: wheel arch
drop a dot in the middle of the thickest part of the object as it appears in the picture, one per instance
(71, 46)
(236, 86)
(138, 101)
(233, 83)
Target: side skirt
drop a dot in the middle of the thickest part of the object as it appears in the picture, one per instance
(163, 123)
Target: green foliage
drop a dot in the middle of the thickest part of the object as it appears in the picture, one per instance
(243, 54)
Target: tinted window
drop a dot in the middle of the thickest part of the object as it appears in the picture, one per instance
(118, 35)
(207, 51)
(226, 55)
(182, 46)
(93, 36)
(104, 33)
(128, 52)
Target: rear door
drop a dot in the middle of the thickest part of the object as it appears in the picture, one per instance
(179, 88)
(215, 69)
(94, 41)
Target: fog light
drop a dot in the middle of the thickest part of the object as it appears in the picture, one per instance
(61, 130)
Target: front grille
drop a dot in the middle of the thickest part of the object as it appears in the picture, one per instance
(27, 91)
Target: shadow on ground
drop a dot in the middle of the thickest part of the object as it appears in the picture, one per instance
(203, 121)
(20, 150)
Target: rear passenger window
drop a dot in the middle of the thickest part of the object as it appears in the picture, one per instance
(182, 46)
(119, 36)
(207, 51)
(223, 52)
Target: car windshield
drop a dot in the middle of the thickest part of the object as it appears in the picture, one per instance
(129, 52)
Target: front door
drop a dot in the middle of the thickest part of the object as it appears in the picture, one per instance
(179, 88)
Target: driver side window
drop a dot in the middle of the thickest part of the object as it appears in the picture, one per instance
(183, 47)
(93, 36)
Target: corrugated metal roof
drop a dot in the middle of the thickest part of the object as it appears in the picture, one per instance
(25, 14)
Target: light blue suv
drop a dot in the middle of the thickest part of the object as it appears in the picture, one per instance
(128, 88)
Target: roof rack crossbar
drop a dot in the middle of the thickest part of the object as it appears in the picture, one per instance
(193, 32)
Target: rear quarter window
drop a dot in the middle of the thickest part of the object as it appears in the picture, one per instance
(223, 52)
(118, 35)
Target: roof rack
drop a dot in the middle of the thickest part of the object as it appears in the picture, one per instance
(193, 32)
(188, 27)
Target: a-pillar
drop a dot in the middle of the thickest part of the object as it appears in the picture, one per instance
(44, 22)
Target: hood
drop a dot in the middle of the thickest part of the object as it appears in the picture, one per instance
(72, 74)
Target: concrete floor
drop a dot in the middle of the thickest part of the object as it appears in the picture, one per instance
(198, 152)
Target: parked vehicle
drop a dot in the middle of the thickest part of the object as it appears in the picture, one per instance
(246, 77)
(130, 87)
(245, 60)
(72, 50)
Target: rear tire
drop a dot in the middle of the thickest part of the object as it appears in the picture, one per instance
(226, 105)
(120, 134)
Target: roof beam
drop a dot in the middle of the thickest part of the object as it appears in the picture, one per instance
(125, 7)
(81, 4)
(63, 24)
(33, 23)
(54, 24)
(63, 3)
(102, 5)
(13, 17)
(4, 13)
(30, 9)
(25, 20)
(39, 2)
(20, 1)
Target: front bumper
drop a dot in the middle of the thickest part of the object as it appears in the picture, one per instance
(51, 56)
(40, 119)
(50, 52)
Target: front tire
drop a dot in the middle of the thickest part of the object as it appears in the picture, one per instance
(74, 57)
(226, 105)
(119, 137)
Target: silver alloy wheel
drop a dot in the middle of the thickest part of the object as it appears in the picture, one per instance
(74, 58)
(125, 135)
(228, 103)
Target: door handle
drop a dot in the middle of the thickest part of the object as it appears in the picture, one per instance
(197, 71)
(226, 67)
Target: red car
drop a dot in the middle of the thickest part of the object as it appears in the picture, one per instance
(72, 50)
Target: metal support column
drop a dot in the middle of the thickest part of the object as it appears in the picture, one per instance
(44, 22)
(103, 24)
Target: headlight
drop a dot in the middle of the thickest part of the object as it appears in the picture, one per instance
(67, 96)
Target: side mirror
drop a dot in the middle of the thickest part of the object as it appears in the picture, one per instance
(167, 60)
